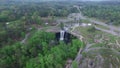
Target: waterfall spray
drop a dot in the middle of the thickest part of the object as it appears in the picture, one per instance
(62, 33)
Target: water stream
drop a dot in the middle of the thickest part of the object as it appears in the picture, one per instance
(62, 34)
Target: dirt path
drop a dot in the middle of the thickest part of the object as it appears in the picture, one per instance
(25, 39)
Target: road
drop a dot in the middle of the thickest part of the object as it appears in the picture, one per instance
(113, 30)
(78, 16)
(87, 48)
(108, 31)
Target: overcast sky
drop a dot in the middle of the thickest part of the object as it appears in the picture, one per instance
(83, 0)
(99, 0)
(62, 0)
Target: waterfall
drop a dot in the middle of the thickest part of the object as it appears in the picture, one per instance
(62, 33)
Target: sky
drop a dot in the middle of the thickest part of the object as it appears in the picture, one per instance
(60, 0)
(95, 0)
(99, 0)
(83, 0)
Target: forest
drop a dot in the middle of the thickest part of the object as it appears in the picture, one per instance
(16, 17)
(39, 52)
(27, 39)
(106, 11)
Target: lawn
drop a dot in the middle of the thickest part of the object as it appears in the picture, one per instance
(90, 34)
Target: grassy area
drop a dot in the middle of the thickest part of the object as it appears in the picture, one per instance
(60, 18)
(103, 27)
(98, 19)
(84, 21)
(90, 34)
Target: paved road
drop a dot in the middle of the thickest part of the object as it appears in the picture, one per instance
(78, 16)
(87, 48)
(108, 31)
(113, 30)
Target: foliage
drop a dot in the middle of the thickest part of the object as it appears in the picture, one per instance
(75, 65)
(17, 18)
(107, 11)
(38, 52)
